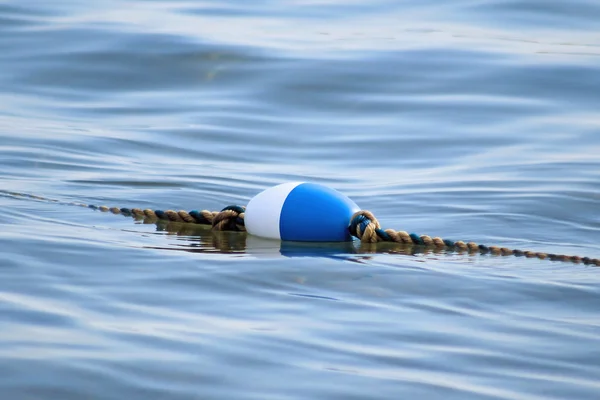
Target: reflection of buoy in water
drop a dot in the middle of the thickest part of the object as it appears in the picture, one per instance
(267, 248)
(299, 211)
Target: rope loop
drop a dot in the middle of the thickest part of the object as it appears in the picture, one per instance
(365, 226)
(231, 218)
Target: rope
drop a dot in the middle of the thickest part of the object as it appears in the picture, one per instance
(231, 218)
(365, 227)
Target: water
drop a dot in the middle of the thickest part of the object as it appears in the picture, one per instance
(473, 120)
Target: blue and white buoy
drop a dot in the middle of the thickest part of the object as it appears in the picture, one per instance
(300, 211)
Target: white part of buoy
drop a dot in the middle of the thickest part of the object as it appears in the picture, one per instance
(262, 214)
(300, 211)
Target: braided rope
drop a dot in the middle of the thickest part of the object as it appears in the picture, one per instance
(365, 226)
(231, 218)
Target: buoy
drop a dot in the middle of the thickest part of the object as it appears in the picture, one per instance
(300, 211)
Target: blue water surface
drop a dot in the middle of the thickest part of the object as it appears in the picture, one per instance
(471, 120)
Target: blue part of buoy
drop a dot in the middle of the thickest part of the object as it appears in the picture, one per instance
(316, 213)
(300, 211)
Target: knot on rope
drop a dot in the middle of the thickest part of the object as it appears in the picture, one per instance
(231, 218)
(364, 226)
